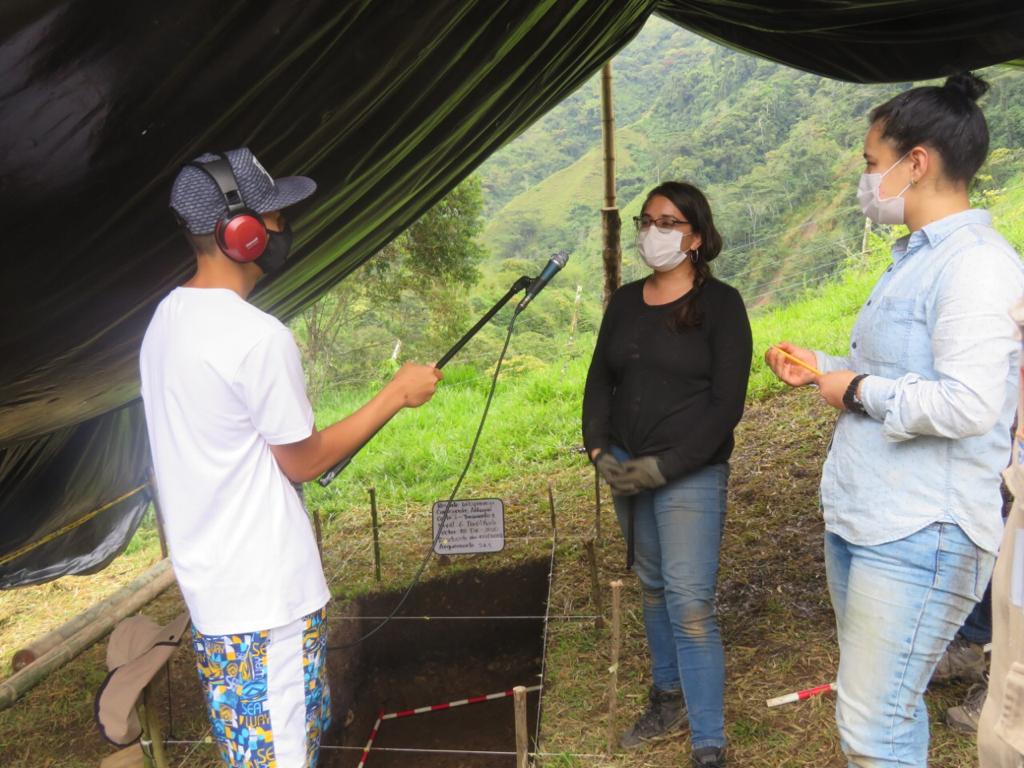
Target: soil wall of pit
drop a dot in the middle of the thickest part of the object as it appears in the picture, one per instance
(467, 648)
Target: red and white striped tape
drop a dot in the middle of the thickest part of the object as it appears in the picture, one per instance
(369, 743)
(433, 708)
(450, 704)
(802, 695)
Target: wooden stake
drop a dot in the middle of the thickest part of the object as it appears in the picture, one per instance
(597, 505)
(151, 729)
(154, 494)
(522, 737)
(376, 533)
(551, 505)
(613, 680)
(147, 751)
(319, 531)
(595, 587)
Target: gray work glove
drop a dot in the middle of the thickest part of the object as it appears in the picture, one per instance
(611, 470)
(635, 475)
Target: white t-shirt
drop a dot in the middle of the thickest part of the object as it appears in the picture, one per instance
(222, 382)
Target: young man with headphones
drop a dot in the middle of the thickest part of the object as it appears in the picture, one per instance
(231, 430)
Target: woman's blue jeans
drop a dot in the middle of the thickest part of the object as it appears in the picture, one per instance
(897, 607)
(678, 532)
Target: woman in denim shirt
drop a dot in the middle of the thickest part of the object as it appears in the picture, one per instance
(926, 395)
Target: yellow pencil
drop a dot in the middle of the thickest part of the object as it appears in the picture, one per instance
(797, 360)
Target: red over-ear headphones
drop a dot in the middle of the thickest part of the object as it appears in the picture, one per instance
(241, 234)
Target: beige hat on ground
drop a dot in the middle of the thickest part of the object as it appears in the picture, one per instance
(137, 650)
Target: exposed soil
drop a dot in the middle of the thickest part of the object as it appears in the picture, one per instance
(410, 664)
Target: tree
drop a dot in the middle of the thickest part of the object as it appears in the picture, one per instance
(407, 297)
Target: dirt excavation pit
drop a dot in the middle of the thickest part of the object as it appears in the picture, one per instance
(412, 663)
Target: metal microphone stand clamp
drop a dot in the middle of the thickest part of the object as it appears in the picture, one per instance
(522, 284)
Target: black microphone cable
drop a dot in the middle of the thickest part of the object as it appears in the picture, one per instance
(440, 528)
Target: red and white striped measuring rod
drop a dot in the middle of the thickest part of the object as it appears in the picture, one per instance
(807, 693)
(369, 742)
(450, 704)
(432, 708)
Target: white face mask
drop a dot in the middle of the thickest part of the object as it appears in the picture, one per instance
(887, 211)
(660, 250)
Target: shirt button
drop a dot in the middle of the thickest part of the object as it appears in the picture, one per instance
(854, 345)
(869, 302)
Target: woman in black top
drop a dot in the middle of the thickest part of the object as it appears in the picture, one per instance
(665, 389)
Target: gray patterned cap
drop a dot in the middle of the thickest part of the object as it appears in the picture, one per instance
(198, 201)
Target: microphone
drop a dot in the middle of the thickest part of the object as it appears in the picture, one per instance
(556, 263)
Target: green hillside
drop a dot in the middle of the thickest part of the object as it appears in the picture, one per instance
(558, 212)
(776, 150)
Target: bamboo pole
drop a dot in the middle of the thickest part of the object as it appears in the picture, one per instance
(595, 587)
(613, 679)
(611, 223)
(52, 639)
(103, 621)
(522, 736)
(376, 533)
(151, 729)
(157, 512)
(144, 743)
(319, 531)
(551, 506)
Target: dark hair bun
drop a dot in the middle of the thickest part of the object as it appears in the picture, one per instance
(968, 84)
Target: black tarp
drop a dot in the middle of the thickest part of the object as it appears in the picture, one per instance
(387, 104)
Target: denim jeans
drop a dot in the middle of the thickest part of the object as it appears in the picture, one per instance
(897, 606)
(977, 628)
(678, 531)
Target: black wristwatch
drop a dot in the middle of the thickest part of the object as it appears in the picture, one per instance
(853, 405)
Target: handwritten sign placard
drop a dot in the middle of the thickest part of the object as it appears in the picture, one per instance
(473, 526)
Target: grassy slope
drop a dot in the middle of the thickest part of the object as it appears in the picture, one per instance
(548, 204)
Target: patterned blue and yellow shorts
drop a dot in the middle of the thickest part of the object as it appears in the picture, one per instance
(267, 693)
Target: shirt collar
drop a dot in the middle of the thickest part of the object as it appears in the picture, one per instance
(933, 234)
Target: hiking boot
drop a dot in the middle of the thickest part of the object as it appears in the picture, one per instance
(664, 717)
(709, 757)
(964, 718)
(962, 661)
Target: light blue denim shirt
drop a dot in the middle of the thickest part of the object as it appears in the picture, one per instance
(942, 352)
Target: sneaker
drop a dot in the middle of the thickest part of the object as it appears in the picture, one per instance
(962, 661)
(709, 757)
(964, 718)
(664, 717)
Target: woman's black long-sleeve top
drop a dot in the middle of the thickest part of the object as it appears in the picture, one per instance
(676, 395)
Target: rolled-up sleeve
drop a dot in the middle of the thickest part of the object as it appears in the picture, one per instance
(973, 340)
(828, 363)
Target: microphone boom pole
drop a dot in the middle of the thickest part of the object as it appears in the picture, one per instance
(519, 285)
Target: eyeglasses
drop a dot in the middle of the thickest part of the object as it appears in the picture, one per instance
(664, 224)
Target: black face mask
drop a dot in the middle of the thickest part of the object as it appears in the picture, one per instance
(279, 245)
